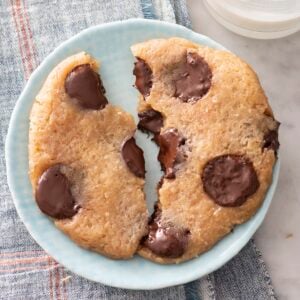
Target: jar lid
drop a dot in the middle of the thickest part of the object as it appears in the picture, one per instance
(262, 19)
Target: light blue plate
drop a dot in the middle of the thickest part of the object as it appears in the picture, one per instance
(110, 43)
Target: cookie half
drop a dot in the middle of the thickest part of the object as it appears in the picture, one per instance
(86, 170)
(218, 140)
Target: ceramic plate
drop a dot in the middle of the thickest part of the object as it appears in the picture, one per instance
(110, 43)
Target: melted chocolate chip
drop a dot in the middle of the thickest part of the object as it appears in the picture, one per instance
(194, 79)
(229, 180)
(271, 140)
(160, 183)
(165, 239)
(170, 153)
(134, 158)
(150, 121)
(155, 138)
(143, 74)
(85, 86)
(53, 194)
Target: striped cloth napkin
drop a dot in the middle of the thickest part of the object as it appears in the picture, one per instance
(29, 31)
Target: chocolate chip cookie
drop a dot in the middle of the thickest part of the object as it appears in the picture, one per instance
(218, 141)
(86, 169)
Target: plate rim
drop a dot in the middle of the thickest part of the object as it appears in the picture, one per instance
(9, 164)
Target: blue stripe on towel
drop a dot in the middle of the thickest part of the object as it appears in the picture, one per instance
(148, 9)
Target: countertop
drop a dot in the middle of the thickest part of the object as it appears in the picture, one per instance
(277, 63)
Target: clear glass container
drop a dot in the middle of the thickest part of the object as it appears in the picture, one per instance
(261, 19)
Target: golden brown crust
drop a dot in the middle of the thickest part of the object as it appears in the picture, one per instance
(231, 118)
(113, 216)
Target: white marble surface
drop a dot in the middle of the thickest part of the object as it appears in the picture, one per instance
(277, 63)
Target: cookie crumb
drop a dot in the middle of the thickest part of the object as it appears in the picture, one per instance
(289, 236)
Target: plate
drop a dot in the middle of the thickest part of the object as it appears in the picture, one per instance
(110, 43)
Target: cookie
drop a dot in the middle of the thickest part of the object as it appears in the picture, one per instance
(86, 170)
(217, 140)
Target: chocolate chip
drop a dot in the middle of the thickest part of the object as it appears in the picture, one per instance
(53, 194)
(166, 240)
(194, 79)
(271, 140)
(160, 183)
(84, 85)
(171, 152)
(150, 121)
(143, 74)
(229, 180)
(155, 138)
(134, 158)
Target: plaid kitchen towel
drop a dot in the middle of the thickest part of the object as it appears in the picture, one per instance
(29, 31)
